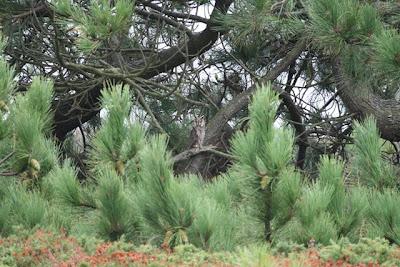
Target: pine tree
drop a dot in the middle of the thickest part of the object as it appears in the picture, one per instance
(290, 206)
(263, 152)
(27, 150)
(133, 193)
(372, 169)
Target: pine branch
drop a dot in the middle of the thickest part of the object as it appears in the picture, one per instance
(195, 151)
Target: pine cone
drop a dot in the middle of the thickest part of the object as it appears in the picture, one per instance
(34, 164)
(3, 106)
(120, 167)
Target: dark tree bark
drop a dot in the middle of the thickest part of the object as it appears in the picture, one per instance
(215, 126)
(70, 114)
(363, 102)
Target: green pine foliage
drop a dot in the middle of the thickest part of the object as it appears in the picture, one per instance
(133, 194)
(353, 31)
(175, 211)
(166, 205)
(290, 207)
(28, 207)
(6, 90)
(384, 214)
(287, 191)
(263, 152)
(386, 54)
(338, 24)
(113, 204)
(6, 84)
(99, 23)
(63, 185)
(373, 171)
(313, 215)
(35, 152)
(5, 210)
(331, 174)
(118, 141)
(254, 23)
(351, 215)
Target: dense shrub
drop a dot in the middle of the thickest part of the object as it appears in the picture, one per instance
(133, 194)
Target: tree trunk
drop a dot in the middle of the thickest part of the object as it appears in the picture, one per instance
(71, 113)
(215, 127)
(363, 102)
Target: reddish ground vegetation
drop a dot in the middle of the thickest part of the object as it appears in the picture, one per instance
(45, 248)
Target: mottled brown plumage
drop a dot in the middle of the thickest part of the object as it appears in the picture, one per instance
(198, 132)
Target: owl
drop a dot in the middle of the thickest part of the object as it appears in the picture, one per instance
(198, 132)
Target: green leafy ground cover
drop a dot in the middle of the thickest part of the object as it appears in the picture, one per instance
(46, 248)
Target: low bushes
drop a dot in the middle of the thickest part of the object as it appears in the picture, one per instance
(55, 248)
(132, 193)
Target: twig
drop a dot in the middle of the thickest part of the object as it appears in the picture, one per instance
(8, 174)
(6, 158)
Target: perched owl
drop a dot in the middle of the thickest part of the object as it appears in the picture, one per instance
(198, 132)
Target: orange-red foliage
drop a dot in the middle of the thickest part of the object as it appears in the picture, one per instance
(61, 250)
